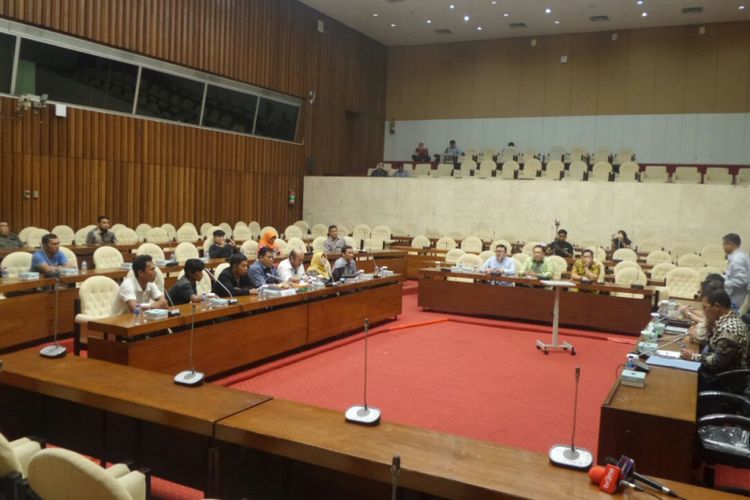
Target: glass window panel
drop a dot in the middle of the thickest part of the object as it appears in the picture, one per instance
(276, 119)
(229, 110)
(169, 97)
(7, 49)
(75, 77)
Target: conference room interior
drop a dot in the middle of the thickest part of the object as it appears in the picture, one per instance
(400, 152)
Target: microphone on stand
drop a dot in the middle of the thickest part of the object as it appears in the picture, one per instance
(231, 299)
(364, 415)
(190, 378)
(569, 456)
(56, 350)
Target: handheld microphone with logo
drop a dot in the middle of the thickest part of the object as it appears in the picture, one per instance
(364, 415)
(569, 456)
(395, 472)
(190, 378)
(630, 472)
(609, 479)
(56, 350)
(231, 300)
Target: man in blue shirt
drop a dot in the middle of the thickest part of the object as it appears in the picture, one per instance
(263, 272)
(737, 277)
(49, 259)
(501, 265)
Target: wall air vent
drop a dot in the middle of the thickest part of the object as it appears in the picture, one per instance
(443, 31)
(692, 10)
(395, 1)
(517, 25)
(599, 19)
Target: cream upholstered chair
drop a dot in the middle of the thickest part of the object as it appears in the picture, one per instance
(628, 172)
(601, 155)
(151, 249)
(554, 170)
(292, 232)
(472, 244)
(62, 474)
(319, 230)
(34, 239)
(399, 231)
(601, 171)
(16, 262)
(743, 176)
(486, 255)
(254, 228)
(658, 257)
(283, 247)
(682, 283)
(117, 227)
(237, 224)
(203, 286)
(510, 168)
(226, 227)
(630, 276)
(588, 243)
(649, 246)
(187, 234)
(623, 156)
(381, 233)
(126, 236)
(361, 232)
(170, 230)
(686, 175)
(624, 264)
(249, 249)
(434, 233)
(690, 260)
(486, 169)
(457, 235)
(576, 171)
(680, 249)
(530, 169)
(107, 258)
(599, 253)
(714, 255)
(204, 228)
(717, 175)
(372, 244)
(418, 242)
(521, 258)
(303, 226)
(99, 299)
(157, 235)
(704, 271)
(466, 169)
(318, 244)
(343, 230)
(242, 233)
(23, 234)
(655, 174)
(70, 255)
(218, 269)
(351, 242)
(15, 455)
(190, 224)
(560, 265)
(443, 170)
(483, 235)
(528, 248)
(451, 258)
(65, 234)
(625, 254)
(422, 169)
(297, 243)
(659, 271)
(141, 230)
(185, 251)
(495, 243)
(470, 260)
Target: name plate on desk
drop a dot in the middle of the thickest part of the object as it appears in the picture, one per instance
(165, 262)
(278, 292)
(68, 271)
(28, 276)
(560, 283)
(154, 314)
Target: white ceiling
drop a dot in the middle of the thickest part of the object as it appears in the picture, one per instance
(410, 17)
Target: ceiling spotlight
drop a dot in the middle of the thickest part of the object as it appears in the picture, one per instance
(374, 14)
(429, 21)
(466, 19)
(557, 22)
(451, 6)
(506, 14)
(644, 14)
(548, 11)
(493, 2)
(639, 2)
(741, 7)
(393, 25)
(479, 28)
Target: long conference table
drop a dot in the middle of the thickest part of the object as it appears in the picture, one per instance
(28, 310)
(592, 306)
(233, 444)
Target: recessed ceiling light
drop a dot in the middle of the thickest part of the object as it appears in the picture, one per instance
(644, 14)
(393, 25)
(741, 7)
(493, 2)
(374, 14)
(639, 2)
(557, 22)
(506, 14)
(479, 28)
(451, 6)
(466, 19)
(429, 21)
(548, 11)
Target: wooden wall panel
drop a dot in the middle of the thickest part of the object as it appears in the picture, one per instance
(140, 170)
(649, 71)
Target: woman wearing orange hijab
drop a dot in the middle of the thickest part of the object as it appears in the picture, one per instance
(268, 239)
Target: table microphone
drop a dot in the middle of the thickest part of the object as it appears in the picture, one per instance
(364, 415)
(644, 479)
(174, 311)
(231, 299)
(190, 378)
(56, 350)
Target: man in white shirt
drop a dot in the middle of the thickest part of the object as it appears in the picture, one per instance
(140, 287)
(737, 278)
(500, 264)
(291, 270)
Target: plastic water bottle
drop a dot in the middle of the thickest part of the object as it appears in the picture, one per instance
(6, 274)
(204, 301)
(84, 266)
(137, 316)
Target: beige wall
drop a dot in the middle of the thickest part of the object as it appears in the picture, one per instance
(526, 210)
(649, 71)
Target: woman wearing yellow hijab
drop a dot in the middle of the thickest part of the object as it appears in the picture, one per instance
(320, 266)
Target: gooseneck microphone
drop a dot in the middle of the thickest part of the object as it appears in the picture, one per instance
(56, 350)
(190, 378)
(231, 299)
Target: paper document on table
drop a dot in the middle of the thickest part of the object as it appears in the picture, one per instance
(667, 354)
(680, 364)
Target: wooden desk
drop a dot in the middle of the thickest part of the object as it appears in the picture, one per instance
(258, 329)
(117, 412)
(654, 425)
(583, 310)
(432, 462)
